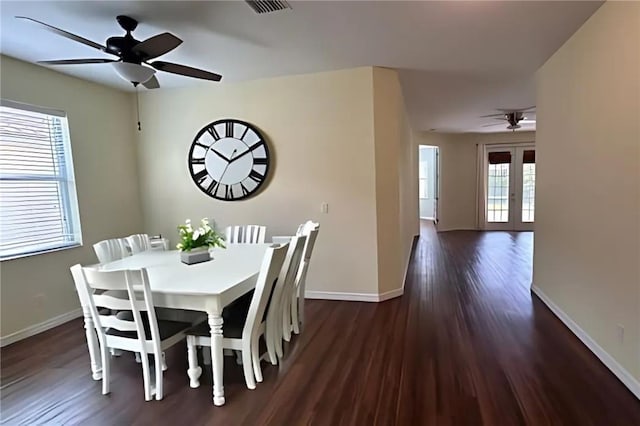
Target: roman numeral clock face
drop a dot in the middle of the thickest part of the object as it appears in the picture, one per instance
(229, 160)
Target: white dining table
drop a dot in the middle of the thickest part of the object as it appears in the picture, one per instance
(205, 287)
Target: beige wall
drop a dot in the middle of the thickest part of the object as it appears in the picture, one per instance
(587, 248)
(320, 130)
(104, 155)
(396, 180)
(458, 172)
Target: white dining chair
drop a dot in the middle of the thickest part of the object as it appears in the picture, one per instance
(140, 332)
(110, 250)
(297, 298)
(244, 327)
(138, 243)
(245, 234)
(281, 297)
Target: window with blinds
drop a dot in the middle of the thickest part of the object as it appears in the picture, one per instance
(38, 203)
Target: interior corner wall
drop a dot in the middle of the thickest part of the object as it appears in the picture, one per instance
(320, 131)
(396, 181)
(37, 289)
(587, 242)
(457, 203)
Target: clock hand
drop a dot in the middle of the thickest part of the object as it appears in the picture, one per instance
(241, 155)
(225, 170)
(221, 156)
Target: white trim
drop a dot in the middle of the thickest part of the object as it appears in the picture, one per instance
(34, 329)
(625, 377)
(353, 297)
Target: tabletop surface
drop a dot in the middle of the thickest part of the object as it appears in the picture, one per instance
(167, 274)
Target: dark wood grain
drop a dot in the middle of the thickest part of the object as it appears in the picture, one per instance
(466, 345)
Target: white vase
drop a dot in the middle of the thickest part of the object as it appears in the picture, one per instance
(197, 255)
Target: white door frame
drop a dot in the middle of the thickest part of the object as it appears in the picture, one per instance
(515, 188)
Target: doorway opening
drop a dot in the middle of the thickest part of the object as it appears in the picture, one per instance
(428, 187)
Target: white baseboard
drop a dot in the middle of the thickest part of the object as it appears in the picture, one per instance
(625, 377)
(353, 297)
(34, 329)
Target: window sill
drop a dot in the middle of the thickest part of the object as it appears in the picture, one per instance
(45, 251)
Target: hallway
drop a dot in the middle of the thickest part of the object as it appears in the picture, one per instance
(465, 345)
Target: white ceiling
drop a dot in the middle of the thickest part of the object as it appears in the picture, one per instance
(457, 60)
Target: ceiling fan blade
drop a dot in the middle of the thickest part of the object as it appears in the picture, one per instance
(152, 83)
(185, 70)
(76, 61)
(500, 118)
(491, 125)
(156, 46)
(492, 115)
(66, 34)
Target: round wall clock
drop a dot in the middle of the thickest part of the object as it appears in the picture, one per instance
(229, 160)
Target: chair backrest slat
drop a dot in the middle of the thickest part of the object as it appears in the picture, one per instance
(246, 234)
(269, 272)
(110, 280)
(111, 321)
(110, 250)
(108, 301)
(138, 243)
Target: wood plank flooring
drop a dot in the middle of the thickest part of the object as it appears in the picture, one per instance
(467, 344)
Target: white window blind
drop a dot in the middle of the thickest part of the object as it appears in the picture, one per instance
(38, 203)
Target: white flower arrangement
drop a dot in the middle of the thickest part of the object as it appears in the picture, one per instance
(203, 236)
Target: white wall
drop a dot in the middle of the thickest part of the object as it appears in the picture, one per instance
(458, 174)
(104, 154)
(320, 131)
(396, 181)
(587, 250)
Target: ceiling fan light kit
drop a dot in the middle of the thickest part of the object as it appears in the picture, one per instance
(134, 73)
(132, 54)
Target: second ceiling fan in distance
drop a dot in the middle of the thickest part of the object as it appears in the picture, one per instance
(131, 53)
(512, 116)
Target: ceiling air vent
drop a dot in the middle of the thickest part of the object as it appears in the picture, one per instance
(265, 6)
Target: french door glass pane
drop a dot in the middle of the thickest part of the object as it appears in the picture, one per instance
(498, 196)
(528, 191)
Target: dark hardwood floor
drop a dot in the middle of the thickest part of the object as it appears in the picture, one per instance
(467, 344)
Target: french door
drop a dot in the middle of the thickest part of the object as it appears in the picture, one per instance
(510, 188)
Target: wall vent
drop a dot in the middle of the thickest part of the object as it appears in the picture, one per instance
(266, 6)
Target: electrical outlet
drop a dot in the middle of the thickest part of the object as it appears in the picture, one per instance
(324, 208)
(620, 333)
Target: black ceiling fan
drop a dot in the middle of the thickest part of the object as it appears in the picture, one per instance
(512, 116)
(132, 54)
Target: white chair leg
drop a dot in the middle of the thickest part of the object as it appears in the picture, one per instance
(159, 364)
(164, 362)
(278, 341)
(271, 346)
(146, 378)
(255, 358)
(294, 314)
(194, 371)
(106, 376)
(238, 357)
(247, 365)
(286, 322)
(138, 359)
